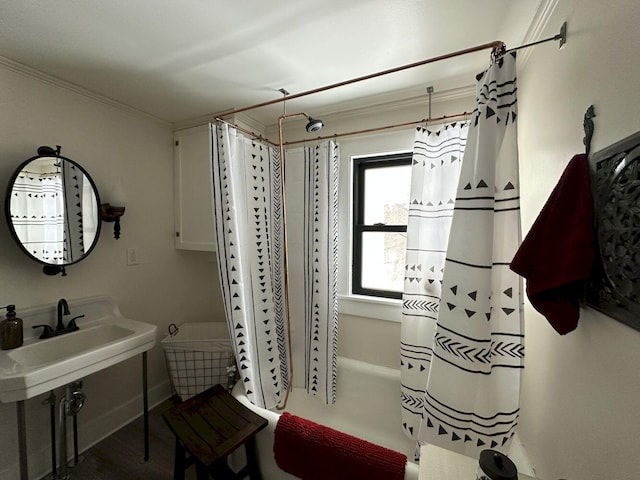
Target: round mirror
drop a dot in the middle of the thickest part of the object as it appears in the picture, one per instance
(52, 209)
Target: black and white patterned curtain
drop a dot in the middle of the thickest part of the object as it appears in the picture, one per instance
(435, 170)
(250, 242)
(320, 268)
(38, 210)
(250, 235)
(72, 180)
(476, 354)
(312, 232)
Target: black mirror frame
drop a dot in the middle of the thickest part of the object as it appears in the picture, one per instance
(47, 152)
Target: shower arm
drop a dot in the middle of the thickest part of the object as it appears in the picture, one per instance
(281, 119)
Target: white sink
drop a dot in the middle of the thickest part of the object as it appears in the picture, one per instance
(44, 352)
(104, 339)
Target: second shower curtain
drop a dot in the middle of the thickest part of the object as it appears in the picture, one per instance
(435, 170)
(461, 380)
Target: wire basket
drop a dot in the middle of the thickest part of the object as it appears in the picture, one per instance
(199, 356)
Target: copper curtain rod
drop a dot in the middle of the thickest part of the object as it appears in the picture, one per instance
(498, 48)
(496, 45)
(248, 132)
(427, 121)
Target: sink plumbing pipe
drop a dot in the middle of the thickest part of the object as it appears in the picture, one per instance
(69, 405)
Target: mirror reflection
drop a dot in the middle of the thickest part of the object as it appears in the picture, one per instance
(52, 208)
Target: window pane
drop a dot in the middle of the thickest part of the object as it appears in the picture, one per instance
(383, 260)
(386, 196)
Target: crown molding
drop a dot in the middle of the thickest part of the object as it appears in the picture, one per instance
(40, 76)
(242, 119)
(538, 24)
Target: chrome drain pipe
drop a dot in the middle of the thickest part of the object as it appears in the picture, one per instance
(70, 405)
(75, 404)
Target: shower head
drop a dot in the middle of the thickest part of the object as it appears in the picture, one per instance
(314, 125)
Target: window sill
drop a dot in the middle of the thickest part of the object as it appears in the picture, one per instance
(371, 307)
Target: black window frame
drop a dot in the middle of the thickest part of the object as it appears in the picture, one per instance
(360, 166)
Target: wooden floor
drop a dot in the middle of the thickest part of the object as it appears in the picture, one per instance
(120, 456)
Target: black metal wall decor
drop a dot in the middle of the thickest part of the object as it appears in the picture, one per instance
(615, 286)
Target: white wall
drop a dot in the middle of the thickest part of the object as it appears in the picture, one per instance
(580, 415)
(167, 286)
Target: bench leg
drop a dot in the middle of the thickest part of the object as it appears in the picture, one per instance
(252, 459)
(179, 465)
(202, 472)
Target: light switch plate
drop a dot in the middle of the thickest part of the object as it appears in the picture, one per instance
(133, 256)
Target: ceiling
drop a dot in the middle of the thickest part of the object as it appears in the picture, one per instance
(180, 60)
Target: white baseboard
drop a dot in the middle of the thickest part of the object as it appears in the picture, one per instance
(99, 428)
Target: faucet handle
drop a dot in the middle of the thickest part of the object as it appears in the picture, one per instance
(72, 323)
(47, 332)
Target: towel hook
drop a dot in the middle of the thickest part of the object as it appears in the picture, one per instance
(588, 126)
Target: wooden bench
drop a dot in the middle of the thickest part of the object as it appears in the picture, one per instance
(208, 427)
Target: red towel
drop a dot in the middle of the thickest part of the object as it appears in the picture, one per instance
(311, 451)
(558, 253)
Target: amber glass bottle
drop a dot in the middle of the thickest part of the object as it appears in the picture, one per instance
(11, 330)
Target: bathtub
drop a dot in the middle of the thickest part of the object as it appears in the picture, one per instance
(364, 391)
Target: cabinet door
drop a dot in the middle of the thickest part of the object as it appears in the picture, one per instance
(193, 190)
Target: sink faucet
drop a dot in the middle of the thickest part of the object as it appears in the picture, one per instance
(63, 309)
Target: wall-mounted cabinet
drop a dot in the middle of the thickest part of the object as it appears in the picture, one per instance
(193, 190)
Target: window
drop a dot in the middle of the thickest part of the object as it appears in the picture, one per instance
(380, 210)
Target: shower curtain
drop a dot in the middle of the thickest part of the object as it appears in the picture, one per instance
(475, 357)
(74, 211)
(39, 222)
(312, 195)
(251, 240)
(435, 170)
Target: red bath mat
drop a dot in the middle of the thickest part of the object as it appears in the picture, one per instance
(311, 451)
